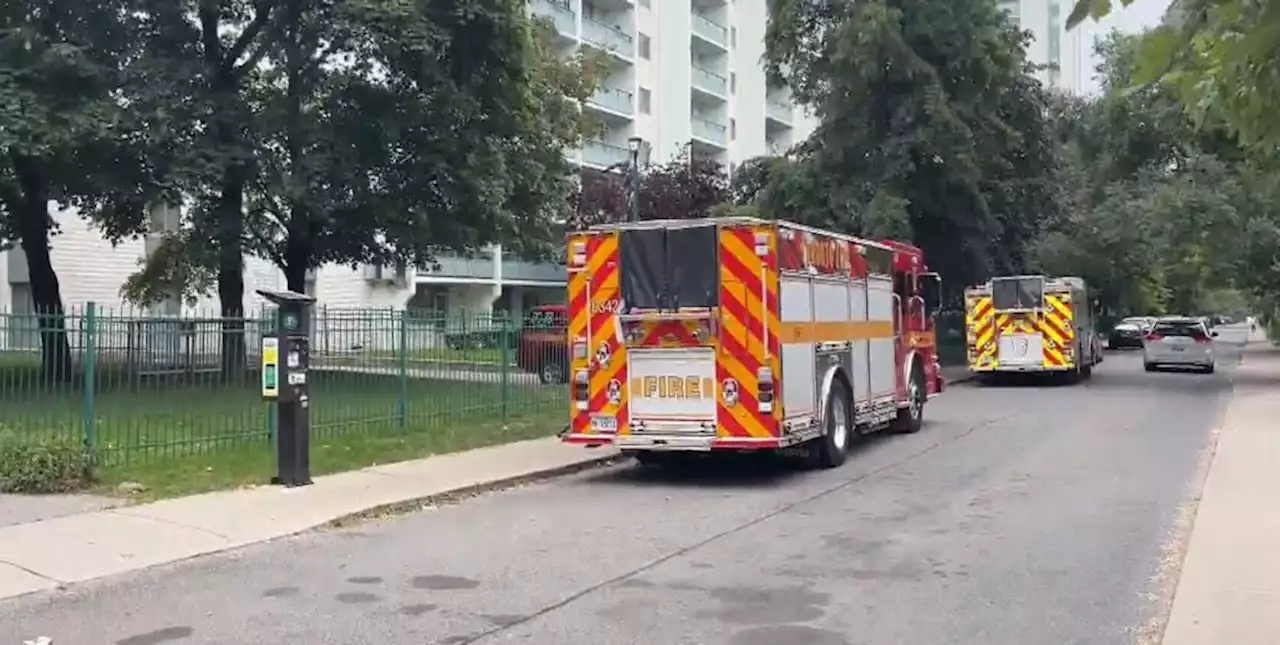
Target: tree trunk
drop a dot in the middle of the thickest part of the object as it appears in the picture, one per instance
(295, 277)
(32, 215)
(231, 274)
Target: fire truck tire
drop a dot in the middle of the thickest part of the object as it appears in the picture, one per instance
(911, 418)
(553, 372)
(832, 448)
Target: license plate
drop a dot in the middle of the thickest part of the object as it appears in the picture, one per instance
(604, 424)
(1179, 349)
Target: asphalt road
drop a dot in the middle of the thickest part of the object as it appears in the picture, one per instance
(1019, 515)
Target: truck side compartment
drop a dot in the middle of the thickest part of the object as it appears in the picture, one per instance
(597, 356)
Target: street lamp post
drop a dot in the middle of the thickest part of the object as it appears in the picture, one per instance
(638, 147)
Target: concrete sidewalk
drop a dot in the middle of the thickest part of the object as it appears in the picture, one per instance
(44, 555)
(1230, 583)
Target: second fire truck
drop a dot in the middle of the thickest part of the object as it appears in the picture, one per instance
(1031, 324)
(741, 334)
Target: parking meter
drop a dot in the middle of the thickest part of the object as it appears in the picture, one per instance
(286, 363)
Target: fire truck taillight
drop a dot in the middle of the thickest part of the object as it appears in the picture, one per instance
(581, 389)
(578, 254)
(764, 380)
(704, 330)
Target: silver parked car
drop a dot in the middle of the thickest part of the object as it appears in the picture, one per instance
(1179, 342)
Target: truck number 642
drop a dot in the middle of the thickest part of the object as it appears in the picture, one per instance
(610, 306)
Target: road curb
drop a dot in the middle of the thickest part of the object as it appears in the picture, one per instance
(456, 495)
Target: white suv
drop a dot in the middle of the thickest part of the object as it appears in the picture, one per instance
(1179, 342)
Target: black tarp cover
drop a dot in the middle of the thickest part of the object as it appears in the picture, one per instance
(1024, 292)
(669, 268)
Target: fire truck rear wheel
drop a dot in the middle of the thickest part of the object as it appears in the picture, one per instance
(552, 371)
(832, 448)
(911, 418)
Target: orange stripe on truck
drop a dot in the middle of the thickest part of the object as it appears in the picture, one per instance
(748, 332)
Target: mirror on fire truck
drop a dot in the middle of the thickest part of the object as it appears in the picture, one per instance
(931, 286)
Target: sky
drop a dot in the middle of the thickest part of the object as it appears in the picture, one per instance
(1139, 16)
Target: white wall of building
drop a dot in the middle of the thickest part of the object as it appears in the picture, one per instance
(1070, 51)
(672, 48)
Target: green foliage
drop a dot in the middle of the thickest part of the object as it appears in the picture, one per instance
(686, 187)
(1167, 216)
(66, 136)
(1219, 56)
(356, 131)
(43, 465)
(949, 144)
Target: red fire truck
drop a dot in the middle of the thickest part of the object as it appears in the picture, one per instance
(744, 334)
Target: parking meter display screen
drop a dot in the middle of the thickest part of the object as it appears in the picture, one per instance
(269, 377)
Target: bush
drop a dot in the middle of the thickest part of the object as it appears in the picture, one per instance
(41, 465)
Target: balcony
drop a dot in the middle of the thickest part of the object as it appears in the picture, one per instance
(614, 100)
(602, 155)
(483, 268)
(779, 111)
(710, 31)
(710, 82)
(559, 13)
(608, 38)
(710, 131)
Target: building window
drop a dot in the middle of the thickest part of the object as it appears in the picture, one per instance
(645, 100)
(644, 3)
(733, 36)
(733, 129)
(644, 46)
(733, 82)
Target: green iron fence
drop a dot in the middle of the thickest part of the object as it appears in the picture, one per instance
(143, 387)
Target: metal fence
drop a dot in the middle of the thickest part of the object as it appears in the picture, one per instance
(140, 387)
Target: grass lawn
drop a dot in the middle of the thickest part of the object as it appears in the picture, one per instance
(478, 356)
(251, 464)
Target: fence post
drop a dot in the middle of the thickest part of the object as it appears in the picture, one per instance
(89, 373)
(403, 402)
(504, 362)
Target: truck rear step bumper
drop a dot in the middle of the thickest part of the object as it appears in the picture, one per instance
(675, 442)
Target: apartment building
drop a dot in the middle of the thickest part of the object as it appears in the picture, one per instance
(684, 72)
(1067, 52)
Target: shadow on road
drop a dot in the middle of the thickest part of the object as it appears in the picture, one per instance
(731, 470)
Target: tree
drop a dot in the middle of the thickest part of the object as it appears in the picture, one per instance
(1156, 204)
(687, 187)
(1219, 56)
(385, 133)
(196, 62)
(948, 129)
(66, 138)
